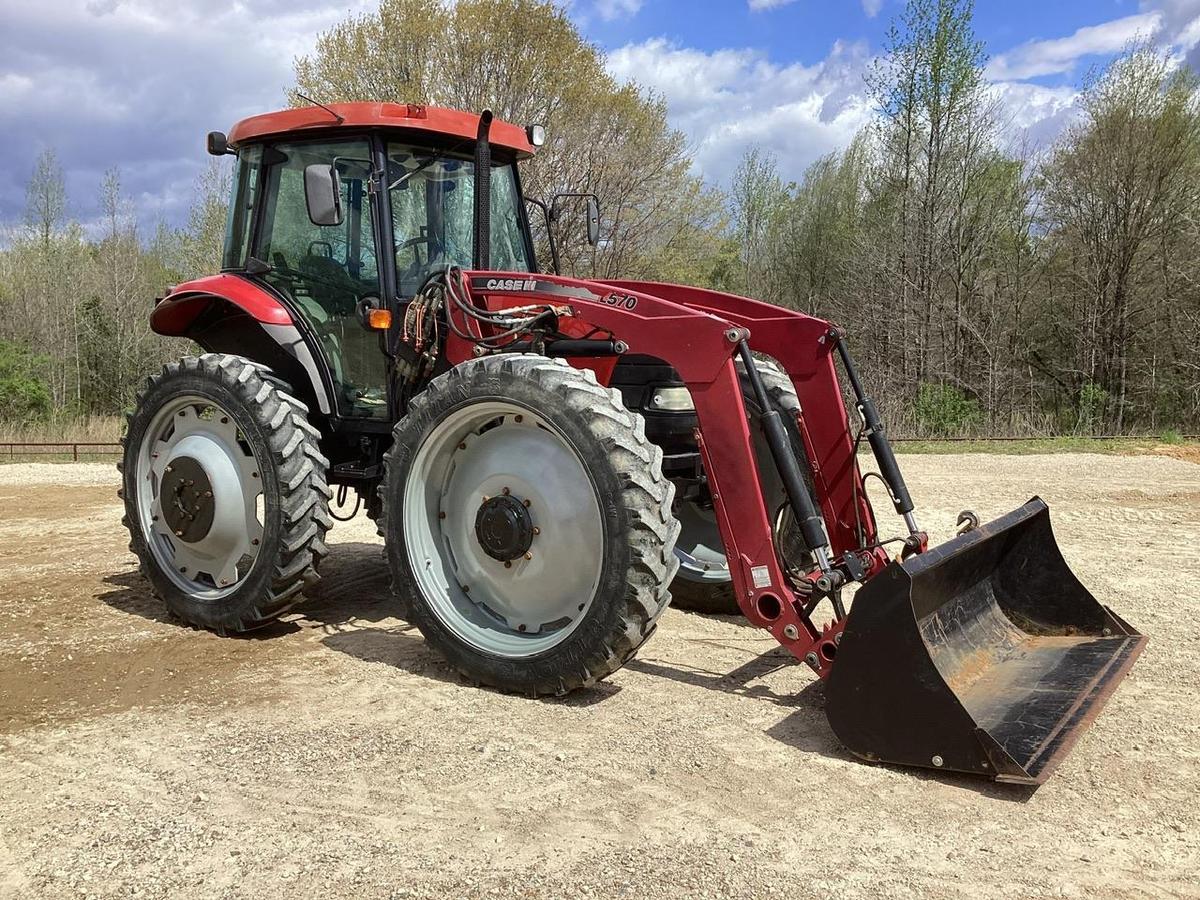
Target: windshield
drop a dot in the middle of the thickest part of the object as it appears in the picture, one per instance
(433, 214)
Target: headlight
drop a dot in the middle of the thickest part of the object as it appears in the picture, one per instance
(536, 134)
(672, 399)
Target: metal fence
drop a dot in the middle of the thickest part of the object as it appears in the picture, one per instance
(77, 450)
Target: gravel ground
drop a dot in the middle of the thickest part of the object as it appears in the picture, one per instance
(336, 755)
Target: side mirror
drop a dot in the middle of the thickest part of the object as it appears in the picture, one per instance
(593, 221)
(218, 144)
(323, 194)
(593, 214)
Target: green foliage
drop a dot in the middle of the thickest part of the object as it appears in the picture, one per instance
(1171, 436)
(1093, 400)
(24, 392)
(943, 411)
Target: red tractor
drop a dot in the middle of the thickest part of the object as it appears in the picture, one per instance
(548, 458)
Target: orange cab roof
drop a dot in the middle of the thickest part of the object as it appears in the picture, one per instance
(410, 116)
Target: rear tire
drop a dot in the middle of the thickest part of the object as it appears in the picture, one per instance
(526, 478)
(209, 437)
(712, 592)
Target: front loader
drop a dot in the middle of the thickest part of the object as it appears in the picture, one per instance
(547, 458)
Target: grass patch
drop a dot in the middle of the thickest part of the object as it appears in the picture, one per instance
(1070, 444)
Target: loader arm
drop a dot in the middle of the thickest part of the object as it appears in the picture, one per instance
(699, 333)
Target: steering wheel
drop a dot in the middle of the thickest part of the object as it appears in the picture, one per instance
(413, 242)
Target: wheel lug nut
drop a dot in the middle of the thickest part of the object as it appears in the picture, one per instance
(442, 514)
(224, 420)
(536, 530)
(462, 445)
(520, 628)
(179, 533)
(518, 419)
(505, 491)
(208, 493)
(169, 469)
(527, 504)
(528, 555)
(508, 564)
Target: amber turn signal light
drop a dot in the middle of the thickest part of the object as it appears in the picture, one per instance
(379, 319)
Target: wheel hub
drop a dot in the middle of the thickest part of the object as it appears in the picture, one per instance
(504, 528)
(187, 499)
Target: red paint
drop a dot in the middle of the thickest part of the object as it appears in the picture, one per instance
(174, 314)
(420, 119)
(687, 327)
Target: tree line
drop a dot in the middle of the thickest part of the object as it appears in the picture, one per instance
(986, 288)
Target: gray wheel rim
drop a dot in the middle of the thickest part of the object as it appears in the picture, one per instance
(699, 549)
(195, 428)
(481, 451)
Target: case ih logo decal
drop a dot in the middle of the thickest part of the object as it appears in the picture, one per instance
(532, 286)
(510, 284)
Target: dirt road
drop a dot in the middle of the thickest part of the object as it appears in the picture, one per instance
(338, 756)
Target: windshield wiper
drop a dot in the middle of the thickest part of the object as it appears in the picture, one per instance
(426, 164)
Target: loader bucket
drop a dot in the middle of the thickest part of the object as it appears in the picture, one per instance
(984, 655)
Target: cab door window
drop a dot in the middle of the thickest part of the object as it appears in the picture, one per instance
(327, 270)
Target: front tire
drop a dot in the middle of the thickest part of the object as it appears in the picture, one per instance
(225, 494)
(528, 524)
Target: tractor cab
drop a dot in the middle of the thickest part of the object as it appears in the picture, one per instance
(351, 208)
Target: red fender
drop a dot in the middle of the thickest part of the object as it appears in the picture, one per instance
(174, 314)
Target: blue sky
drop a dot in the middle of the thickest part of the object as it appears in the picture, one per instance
(137, 83)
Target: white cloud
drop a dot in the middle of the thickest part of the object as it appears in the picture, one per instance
(872, 7)
(1060, 55)
(729, 100)
(757, 5)
(136, 84)
(1034, 114)
(1180, 26)
(609, 10)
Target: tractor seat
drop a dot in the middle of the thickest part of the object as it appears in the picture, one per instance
(329, 284)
